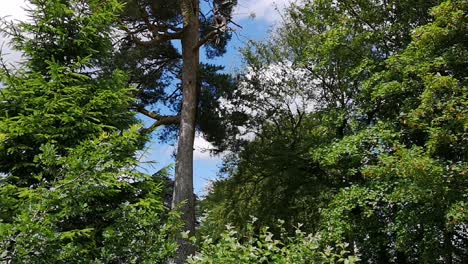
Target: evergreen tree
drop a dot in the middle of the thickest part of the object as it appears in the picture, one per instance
(148, 51)
(69, 189)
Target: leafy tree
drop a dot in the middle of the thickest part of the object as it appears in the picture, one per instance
(97, 210)
(41, 98)
(301, 91)
(274, 178)
(412, 207)
(69, 189)
(387, 131)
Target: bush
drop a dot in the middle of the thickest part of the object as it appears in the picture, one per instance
(264, 247)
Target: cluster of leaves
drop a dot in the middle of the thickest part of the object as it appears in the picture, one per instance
(69, 188)
(96, 209)
(62, 107)
(380, 161)
(407, 202)
(273, 178)
(262, 246)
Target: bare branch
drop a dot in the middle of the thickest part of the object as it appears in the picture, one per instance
(166, 120)
(212, 35)
(161, 120)
(155, 40)
(234, 23)
(150, 114)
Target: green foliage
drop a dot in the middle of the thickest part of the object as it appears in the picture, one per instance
(69, 188)
(381, 161)
(406, 205)
(265, 247)
(65, 32)
(62, 108)
(55, 98)
(402, 209)
(333, 48)
(97, 209)
(274, 178)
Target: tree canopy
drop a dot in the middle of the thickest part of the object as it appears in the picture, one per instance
(344, 137)
(378, 159)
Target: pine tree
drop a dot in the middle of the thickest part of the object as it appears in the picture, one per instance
(152, 27)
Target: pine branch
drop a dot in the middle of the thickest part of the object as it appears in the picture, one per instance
(161, 120)
(157, 39)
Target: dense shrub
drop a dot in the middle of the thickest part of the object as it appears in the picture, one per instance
(263, 247)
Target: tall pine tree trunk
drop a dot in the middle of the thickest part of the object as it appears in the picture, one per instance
(183, 189)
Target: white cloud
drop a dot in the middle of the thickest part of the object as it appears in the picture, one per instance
(13, 9)
(266, 10)
(277, 89)
(202, 149)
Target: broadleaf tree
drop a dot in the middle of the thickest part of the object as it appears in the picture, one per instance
(380, 161)
(310, 77)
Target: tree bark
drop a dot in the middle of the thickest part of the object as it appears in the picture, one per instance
(183, 198)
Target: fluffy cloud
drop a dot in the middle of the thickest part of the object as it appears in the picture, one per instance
(202, 149)
(266, 10)
(164, 153)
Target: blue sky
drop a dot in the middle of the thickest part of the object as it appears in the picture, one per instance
(265, 15)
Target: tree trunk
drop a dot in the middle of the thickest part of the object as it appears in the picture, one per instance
(183, 198)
